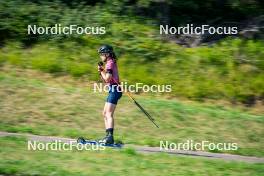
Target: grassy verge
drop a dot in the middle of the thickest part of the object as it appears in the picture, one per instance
(231, 70)
(17, 160)
(38, 103)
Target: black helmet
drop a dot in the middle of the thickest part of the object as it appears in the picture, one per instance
(105, 49)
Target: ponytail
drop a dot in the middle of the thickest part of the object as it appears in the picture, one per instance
(114, 56)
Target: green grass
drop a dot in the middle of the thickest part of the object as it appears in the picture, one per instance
(17, 160)
(38, 103)
(231, 70)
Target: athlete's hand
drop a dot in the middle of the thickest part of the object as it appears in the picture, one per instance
(100, 68)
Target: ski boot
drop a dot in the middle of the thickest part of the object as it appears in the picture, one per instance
(107, 140)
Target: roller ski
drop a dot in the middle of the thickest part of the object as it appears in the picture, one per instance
(107, 141)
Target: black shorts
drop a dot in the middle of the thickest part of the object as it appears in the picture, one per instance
(114, 94)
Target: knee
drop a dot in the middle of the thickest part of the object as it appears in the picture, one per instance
(108, 114)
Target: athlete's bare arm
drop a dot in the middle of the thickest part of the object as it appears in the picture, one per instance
(105, 75)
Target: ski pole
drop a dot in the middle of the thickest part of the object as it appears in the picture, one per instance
(132, 98)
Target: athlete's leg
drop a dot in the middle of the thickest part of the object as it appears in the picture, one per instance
(109, 123)
(109, 114)
(105, 119)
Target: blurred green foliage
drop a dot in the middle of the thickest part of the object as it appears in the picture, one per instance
(232, 69)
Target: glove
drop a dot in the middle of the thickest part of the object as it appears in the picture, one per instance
(100, 68)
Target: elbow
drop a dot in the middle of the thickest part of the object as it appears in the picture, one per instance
(108, 77)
